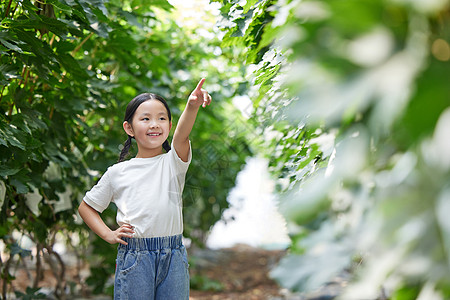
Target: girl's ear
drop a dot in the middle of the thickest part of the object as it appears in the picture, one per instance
(170, 125)
(128, 129)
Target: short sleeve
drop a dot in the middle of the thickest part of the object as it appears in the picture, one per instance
(177, 163)
(101, 194)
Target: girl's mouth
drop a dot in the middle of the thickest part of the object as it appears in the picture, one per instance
(153, 134)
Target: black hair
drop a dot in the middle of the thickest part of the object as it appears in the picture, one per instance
(129, 114)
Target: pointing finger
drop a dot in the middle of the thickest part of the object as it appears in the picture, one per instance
(200, 84)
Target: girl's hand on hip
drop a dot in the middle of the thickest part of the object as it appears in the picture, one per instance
(114, 237)
(199, 96)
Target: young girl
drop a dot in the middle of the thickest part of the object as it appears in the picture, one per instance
(151, 259)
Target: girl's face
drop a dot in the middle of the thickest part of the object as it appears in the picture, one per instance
(150, 127)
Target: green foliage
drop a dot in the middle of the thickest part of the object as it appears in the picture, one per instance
(67, 71)
(203, 283)
(355, 95)
(406, 293)
(31, 293)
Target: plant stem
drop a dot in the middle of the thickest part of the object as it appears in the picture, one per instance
(10, 109)
(14, 10)
(22, 75)
(52, 39)
(5, 275)
(27, 75)
(38, 266)
(32, 89)
(59, 288)
(8, 8)
(81, 44)
(1, 94)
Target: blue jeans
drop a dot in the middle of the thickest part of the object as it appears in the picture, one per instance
(152, 268)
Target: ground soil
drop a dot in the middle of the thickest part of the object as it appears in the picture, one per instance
(242, 272)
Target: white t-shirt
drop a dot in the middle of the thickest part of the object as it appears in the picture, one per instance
(147, 193)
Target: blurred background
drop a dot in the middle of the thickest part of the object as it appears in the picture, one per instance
(322, 167)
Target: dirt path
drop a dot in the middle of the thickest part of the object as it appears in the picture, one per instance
(237, 273)
(241, 273)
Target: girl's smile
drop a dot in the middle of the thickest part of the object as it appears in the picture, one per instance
(153, 134)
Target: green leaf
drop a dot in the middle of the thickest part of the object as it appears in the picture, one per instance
(57, 27)
(72, 66)
(16, 249)
(249, 4)
(5, 170)
(432, 84)
(144, 4)
(12, 140)
(59, 5)
(34, 118)
(122, 40)
(35, 45)
(406, 293)
(21, 188)
(10, 72)
(31, 8)
(11, 46)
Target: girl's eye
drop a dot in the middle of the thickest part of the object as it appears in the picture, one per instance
(162, 118)
(145, 119)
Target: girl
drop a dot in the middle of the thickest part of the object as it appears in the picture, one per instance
(151, 259)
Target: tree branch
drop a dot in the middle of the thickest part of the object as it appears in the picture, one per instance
(8, 9)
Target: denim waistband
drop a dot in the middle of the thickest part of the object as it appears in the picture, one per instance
(151, 244)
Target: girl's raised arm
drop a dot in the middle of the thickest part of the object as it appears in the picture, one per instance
(199, 97)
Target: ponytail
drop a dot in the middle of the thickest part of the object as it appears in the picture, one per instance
(126, 148)
(166, 146)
